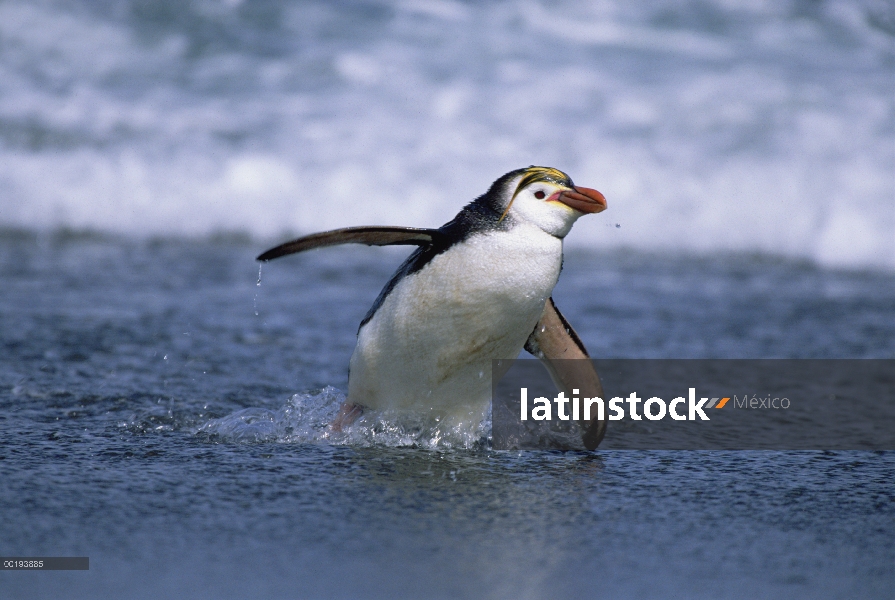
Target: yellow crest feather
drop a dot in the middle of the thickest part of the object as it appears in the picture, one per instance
(534, 174)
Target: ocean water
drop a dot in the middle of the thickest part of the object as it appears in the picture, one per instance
(165, 415)
(163, 402)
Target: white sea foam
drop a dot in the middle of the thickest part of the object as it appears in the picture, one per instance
(741, 126)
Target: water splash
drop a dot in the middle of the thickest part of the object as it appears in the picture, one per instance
(306, 418)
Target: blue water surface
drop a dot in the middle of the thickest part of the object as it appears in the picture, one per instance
(119, 354)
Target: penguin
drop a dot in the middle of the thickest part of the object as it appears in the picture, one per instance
(477, 288)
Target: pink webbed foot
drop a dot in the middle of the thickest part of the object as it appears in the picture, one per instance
(348, 414)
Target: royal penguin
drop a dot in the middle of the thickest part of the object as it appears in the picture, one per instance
(476, 289)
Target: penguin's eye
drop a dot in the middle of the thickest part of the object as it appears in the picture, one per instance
(540, 195)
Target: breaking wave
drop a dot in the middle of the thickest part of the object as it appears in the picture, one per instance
(764, 127)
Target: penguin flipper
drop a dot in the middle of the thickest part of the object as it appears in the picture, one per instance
(371, 236)
(556, 344)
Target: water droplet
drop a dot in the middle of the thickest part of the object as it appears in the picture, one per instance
(255, 299)
(165, 357)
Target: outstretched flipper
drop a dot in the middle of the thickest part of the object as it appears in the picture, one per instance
(556, 344)
(371, 236)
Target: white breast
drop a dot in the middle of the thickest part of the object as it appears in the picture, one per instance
(429, 347)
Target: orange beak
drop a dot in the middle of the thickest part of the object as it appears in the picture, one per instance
(583, 200)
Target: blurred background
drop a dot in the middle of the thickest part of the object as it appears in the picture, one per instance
(160, 408)
(711, 125)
